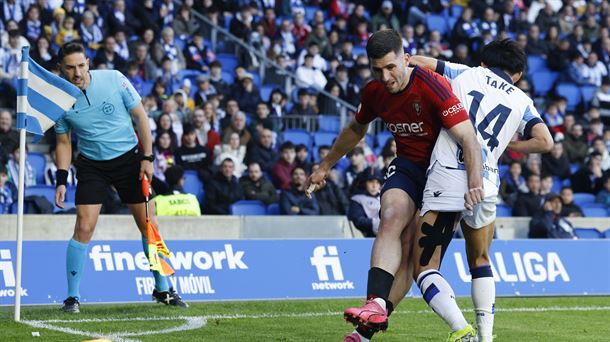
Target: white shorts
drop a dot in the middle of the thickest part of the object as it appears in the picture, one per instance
(444, 192)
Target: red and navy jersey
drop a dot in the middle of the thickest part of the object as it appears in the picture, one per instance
(415, 115)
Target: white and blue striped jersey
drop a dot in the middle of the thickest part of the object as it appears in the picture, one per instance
(496, 108)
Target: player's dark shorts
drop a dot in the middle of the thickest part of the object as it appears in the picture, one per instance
(408, 176)
(96, 176)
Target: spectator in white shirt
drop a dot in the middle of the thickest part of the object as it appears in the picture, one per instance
(309, 76)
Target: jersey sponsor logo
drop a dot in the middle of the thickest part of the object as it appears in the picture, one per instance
(323, 259)
(456, 108)
(405, 129)
(108, 108)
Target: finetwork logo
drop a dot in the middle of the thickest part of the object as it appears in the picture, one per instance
(8, 275)
(323, 259)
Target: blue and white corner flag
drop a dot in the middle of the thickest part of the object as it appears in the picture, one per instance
(42, 97)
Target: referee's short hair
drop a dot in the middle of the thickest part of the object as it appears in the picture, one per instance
(70, 48)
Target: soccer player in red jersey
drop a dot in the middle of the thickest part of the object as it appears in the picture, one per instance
(415, 104)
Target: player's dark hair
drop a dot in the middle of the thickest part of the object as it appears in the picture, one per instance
(505, 54)
(70, 48)
(383, 42)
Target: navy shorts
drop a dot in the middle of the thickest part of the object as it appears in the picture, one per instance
(405, 175)
(96, 176)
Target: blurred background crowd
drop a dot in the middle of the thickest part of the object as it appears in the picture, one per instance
(246, 97)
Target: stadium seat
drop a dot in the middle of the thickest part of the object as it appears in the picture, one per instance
(229, 62)
(248, 208)
(324, 138)
(571, 92)
(606, 233)
(48, 192)
(587, 233)
(536, 63)
(256, 79)
(503, 169)
(266, 91)
(297, 136)
(594, 212)
(273, 209)
(329, 123)
(556, 185)
(438, 23)
(587, 92)
(190, 74)
(503, 210)
(456, 11)
(581, 198)
(147, 88)
(39, 164)
(382, 137)
(227, 76)
(543, 81)
(310, 11)
(193, 185)
(358, 50)
(574, 167)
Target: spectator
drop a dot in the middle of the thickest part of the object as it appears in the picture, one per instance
(535, 45)
(385, 17)
(176, 202)
(546, 184)
(168, 119)
(308, 76)
(319, 37)
(43, 54)
(120, 18)
(598, 145)
(349, 91)
(302, 158)
(549, 223)
(185, 25)
(277, 102)
(356, 18)
(198, 56)
(262, 151)
(13, 168)
(364, 205)
(512, 184)
(282, 170)
(183, 102)
(269, 22)
(357, 164)
(575, 144)
(303, 106)
(146, 66)
(164, 154)
(206, 134)
(590, 28)
(595, 70)
(331, 199)
(596, 127)
(577, 71)
(286, 38)
(294, 201)
(528, 203)
(107, 57)
(192, 156)
(556, 162)
(7, 191)
(51, 170)
(246, 93)
(603, 196)
(589, 177)
(257, 187)
(231, 109)
(134, 77)
(261, 121)
(216, 80)
(67, 32)
(465, 30)
(489, 24)
(238, 126)
(241, 24)
(300, 29)
(328, 105)
(559, 56)
(9, 137)
(552, 117)
(547, 18)
(234, 151)
(223, 190)
(569, 208)
(204, 90)
(31, 25)
(168, 47)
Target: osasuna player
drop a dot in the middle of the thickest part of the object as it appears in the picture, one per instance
(415, 104)
(498, 110)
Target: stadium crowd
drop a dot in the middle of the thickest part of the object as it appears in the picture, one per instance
(226, 134)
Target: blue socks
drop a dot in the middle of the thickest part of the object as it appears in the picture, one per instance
(160, 281)
(75, 258)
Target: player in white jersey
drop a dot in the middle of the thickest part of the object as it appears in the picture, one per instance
(497, 109)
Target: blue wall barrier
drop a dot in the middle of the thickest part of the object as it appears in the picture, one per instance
(117, 271)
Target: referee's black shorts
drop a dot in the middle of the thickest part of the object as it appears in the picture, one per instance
(95, 178)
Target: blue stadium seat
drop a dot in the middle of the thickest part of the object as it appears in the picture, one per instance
(382, 137)
(587, 233)
(229, 62)
(606, 233)
(503, 169)
(574, 167)
(594, 212)
(556, 185)
(256, 79)
(273, 209)
(582, 198)
(587, 92)
(227, 76)
(324, 138)
(503, 210)
(147, 87)
(597, 205)
(358, 50)
(193, 185)
(437, 22)
(329, 123)
(180, 42)
(48, 192)
(571, 92)
(310, 11)
(190, 74)
(297, 136)
(543, 81)
(248, 208)
(456, 11)
(536, 63)
(39, 164)
(266, 91)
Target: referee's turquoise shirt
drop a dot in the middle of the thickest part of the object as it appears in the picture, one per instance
(100, 117)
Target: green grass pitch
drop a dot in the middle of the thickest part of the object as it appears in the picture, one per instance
(517, 319)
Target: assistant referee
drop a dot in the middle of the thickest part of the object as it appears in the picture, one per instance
(109, 155)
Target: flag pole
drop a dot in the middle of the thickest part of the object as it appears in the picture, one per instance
(21, 117)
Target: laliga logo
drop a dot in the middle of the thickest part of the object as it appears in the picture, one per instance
(8, 274)
(324, 258)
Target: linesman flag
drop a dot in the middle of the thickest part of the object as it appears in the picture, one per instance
(42, 97)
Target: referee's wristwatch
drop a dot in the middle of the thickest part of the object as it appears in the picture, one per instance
(150, 158)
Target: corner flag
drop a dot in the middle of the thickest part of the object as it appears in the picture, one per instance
(42, 99)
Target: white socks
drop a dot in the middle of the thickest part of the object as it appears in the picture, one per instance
(483, 294)
(440, 297)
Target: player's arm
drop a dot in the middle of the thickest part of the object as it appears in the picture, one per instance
(425, 62)
(464, 134)
(540, 141)
(141, 119)
(346, 141)
(446, 69)
(63, 158)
